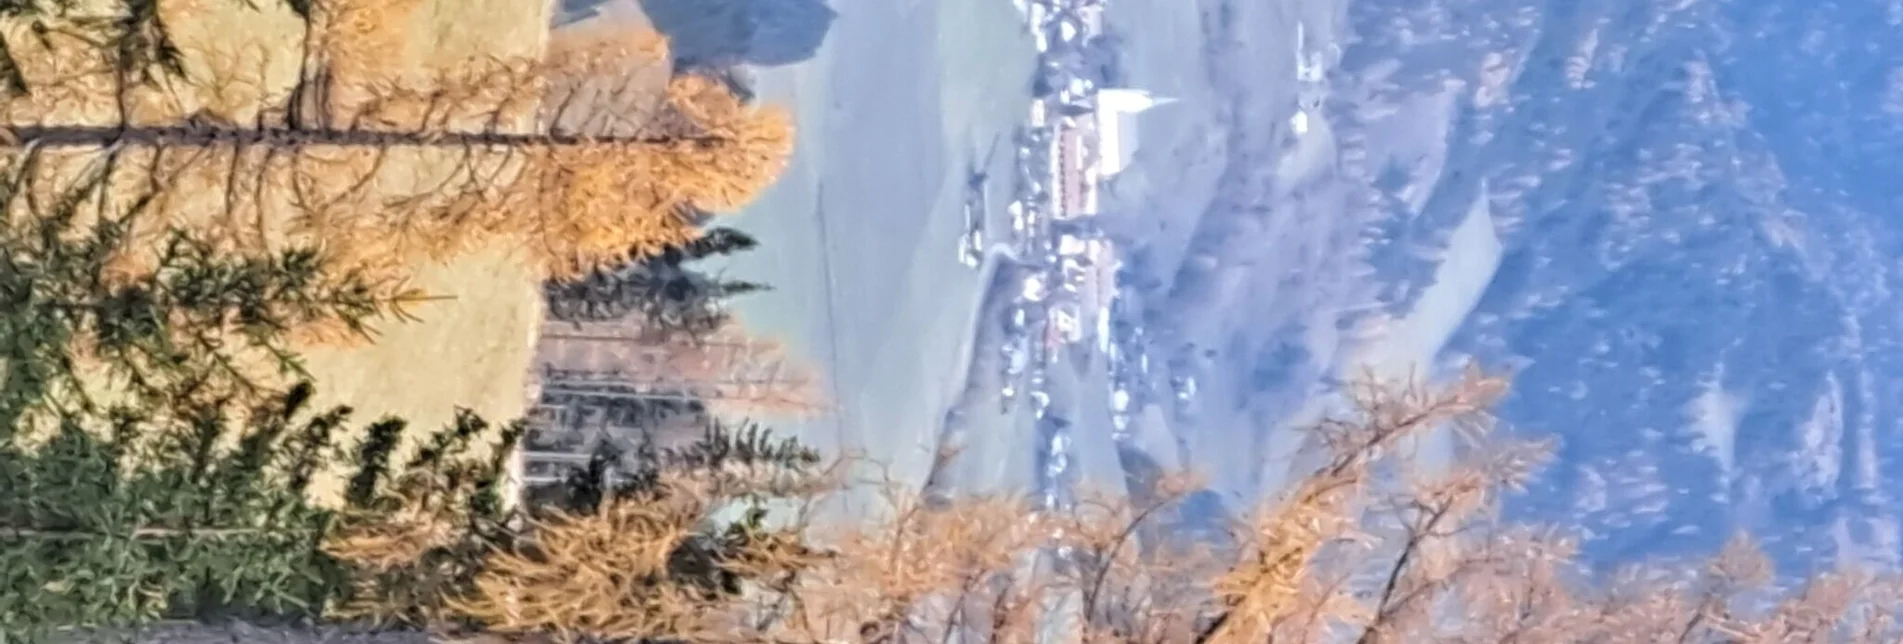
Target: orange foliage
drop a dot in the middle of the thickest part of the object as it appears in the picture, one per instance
(581, 190)
(741, 150)
(612, 571)
(1370, 547)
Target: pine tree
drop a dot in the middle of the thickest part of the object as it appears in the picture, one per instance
(181, 489)
(198, 327)
(154, 467)
(159, 519)
(663, 289)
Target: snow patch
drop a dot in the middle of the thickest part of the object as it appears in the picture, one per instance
(1580, 64)
(1819, 460)
(1399, 349)
(1398, 346)
(1714, 415)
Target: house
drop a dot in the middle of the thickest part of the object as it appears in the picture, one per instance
(1094, 147)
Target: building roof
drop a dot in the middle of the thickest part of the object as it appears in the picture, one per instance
(1116, 113)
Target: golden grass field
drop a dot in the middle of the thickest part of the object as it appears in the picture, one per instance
(473, 350)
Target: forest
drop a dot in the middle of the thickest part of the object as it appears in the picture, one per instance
(252, 258)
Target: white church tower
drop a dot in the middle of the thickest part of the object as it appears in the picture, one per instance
(1128, 101)
(1116, 113)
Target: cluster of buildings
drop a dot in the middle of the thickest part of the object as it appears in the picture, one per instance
(1079, 134)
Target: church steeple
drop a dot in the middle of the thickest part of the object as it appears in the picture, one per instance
(1128, 101)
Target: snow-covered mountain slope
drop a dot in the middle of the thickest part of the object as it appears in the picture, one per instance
(1695, 285)
(1696, 228)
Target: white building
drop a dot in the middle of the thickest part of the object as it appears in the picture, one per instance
(1096, 147)
(1116, 115)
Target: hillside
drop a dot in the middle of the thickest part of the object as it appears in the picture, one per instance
(1669, 219)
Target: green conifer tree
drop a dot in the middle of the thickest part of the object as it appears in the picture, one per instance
(172, 479)
(668, 294)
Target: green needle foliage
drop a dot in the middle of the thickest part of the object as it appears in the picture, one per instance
(213, 519)
(664, 289)
(151, 467)
(93, 537)
(193, 330)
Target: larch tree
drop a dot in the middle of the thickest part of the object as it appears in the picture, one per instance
(383, 167)
(629, 549)
(1371, 545)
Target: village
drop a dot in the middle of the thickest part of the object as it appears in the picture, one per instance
(1078, 135)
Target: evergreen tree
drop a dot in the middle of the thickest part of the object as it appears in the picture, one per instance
(663, 289)
(638, 468)
(153, 465)
(197, 329)
(154, 520)
(158, 443)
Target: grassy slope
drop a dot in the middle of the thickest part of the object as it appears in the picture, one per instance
(471, 351)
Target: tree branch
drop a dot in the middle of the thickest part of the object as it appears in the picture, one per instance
(69, 136)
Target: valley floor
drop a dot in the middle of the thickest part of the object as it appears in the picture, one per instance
(859, 236)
